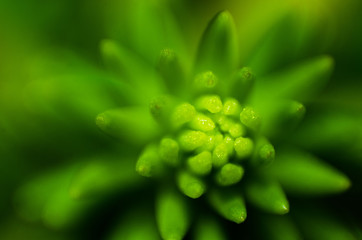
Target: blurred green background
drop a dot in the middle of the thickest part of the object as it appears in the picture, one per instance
(52, 83)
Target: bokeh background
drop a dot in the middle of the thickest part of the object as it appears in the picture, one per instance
(52, 82)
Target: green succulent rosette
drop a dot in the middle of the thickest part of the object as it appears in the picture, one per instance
(199, 148)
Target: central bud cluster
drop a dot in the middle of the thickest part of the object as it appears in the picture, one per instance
(210, 137)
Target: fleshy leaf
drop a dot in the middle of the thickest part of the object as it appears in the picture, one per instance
(229, 174)
(267, 195)
(133, 70)
(339, 133)
(201, 163)
(282, 117)
(228, 204)
(48, 199)
(242, 84)
(169, 151)
(218, 49)
(170, 69)
(264, 152)
(172, 215)
(300, 82)
(103, 175)
(149, 163)
(190, 185)
(302, 174)
(133, 124)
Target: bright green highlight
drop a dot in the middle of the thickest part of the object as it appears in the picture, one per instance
(230, 205)
(225, 123)
(229, 144)
(190, 185)
(220, 155)
(202, 123)
(169, 151)
(250, 118)
(231, 107)
(201, 163)
(229, 174)
(243, 147)
(237, 130)
(172, 215)
(267, 195)
(182, 114)
(212, 103)
(190, 140)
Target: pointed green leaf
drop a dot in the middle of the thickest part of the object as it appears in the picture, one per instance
(279, 46)
(31, 198)
(47, 198)
(299, 82)
(282, 117)
(267, 195)
(63, 212)
(112, 56)
(103, 175)
(133, 69)
(218, 50)
(302, 174)
(172, 215)
(132, 124)
(337, 132)
(228, 204)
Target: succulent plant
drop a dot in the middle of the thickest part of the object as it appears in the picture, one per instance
(190, 140)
